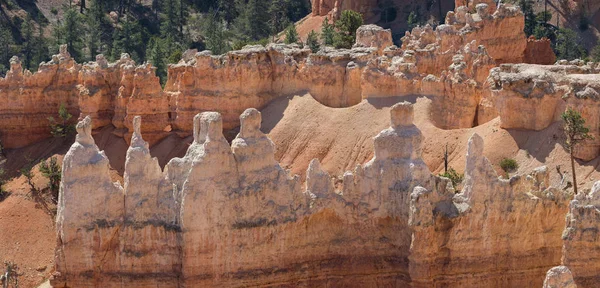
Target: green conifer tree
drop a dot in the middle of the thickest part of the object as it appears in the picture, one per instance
(279, 19)
(215, 36)
(327, 33)
(157, 56)
(312, 41)
(27, 30)
(73, 33)
(291, 35)
(346, 29)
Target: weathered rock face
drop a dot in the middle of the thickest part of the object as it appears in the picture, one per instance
(581, 252)
(559, 277)
(539, 51)
(231, 216)
(374, 36)
(533, 97)
(29, 99)
(453, 232)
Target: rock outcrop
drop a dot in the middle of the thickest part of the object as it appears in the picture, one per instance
(539, 51)
(483, 229)
(231, 216)
(559, 277)
(539, 94)
(581, 252)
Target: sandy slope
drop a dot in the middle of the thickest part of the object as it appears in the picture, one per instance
(303, 129)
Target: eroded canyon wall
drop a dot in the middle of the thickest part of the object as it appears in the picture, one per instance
(534, 96)
(447, 63)
(231, 216)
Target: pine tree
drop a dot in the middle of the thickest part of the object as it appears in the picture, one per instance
(215, 34)
(228, 11)
(346, 29)
(567, 45)
(595, 55)
(413, 20)
(73, 33)
(51, 170)
(530, 19)
(296, 9)
(576, 132)
(291, 35)
(327, 33)
(279, 19)
(252, 24)
(157, 56)
(94, 35)
(312, 41)
(129, 39)
(41, 52)
(6, 48)
(170, 19)
(27, 47)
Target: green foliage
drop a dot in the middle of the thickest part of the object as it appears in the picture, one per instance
(312, 41)
(584, 22)
(52, 171)
(27, 171)
(279, 19)
(72, 29)
(530, 17)
(215, 34)
(509, 165)
(574, 127)
(346, 26)
(157, 56)
(291, 35)
(89, 31)
(61, 128)
(454, 176)
(568, 45)
(7, 48)
(413, 20)
(128, 39)
(595, 54)
(543, 17)
(253, 22)
(27, 30)
(327, 33)
(575, 132)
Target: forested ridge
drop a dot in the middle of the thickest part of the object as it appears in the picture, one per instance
(157, 31)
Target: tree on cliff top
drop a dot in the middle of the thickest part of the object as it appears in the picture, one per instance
(576, 132)
(327, 33)
(346, 29)
(291, 35)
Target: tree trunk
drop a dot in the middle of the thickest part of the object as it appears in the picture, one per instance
(446, 160)
(82, 6)
(573, 170)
